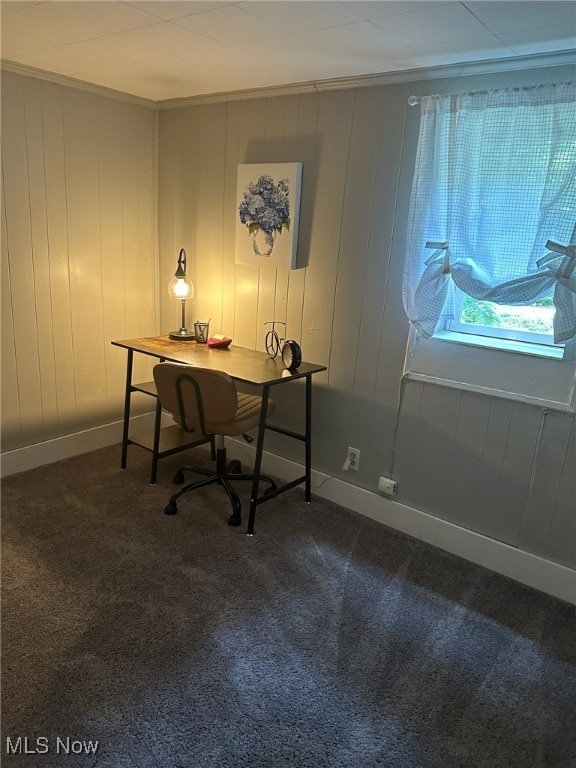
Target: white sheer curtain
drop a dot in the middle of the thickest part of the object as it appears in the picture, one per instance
(493, 205)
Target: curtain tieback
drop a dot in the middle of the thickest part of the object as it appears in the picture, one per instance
(557, 252)
(440, 252)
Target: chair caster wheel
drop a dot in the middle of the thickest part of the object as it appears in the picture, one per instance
(178, 478)
(170, 509)
(235, 520)
(234, 467)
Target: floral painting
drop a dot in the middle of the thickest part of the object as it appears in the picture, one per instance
(267, 209)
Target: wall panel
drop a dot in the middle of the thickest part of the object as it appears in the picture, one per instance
(231, 151)
(202, 239)
(503, 519)
(271, 151)
(111, 248)
(57, 229)
(466, 459)
(352, 269)
(212, 292)
(78, 254)
(21, 264)
(561, 534)
(335, 114)
(393, 185)
(251, 148)
(435, 431)
(85, 264)
(10, 398)
(301, 147)
(410, 444)
(39, 249)
(550, 512)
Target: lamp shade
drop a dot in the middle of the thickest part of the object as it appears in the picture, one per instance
(180, 288)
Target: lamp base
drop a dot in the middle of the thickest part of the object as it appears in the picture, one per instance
(182, 335)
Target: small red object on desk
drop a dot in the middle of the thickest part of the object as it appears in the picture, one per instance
(219, 341)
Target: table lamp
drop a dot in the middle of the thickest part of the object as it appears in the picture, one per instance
(180, 287)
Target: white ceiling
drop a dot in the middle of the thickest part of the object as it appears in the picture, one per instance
(165, 49)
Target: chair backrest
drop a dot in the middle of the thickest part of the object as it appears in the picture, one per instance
(198, 398)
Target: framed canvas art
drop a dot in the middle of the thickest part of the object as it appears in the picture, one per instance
(267, 211)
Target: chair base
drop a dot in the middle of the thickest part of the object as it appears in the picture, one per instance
(225, 473)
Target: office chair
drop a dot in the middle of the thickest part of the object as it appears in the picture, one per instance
(207, 400)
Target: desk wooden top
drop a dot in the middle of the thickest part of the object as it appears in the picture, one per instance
(240, 363)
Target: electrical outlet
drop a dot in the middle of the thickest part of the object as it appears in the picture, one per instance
(353, 458)
(387, 485)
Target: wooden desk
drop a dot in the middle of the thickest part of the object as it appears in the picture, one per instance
(247, 365)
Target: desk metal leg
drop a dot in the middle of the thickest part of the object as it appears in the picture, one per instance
(258, 462)
(308, 438)
(127, 409)
(156, 443)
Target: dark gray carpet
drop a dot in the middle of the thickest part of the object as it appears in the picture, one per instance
(326, 640)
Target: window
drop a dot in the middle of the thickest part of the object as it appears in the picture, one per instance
(491, 247)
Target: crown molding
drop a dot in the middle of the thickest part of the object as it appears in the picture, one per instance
(487, 66)
(72, 82)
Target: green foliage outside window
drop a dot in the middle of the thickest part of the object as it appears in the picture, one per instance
(536, 318)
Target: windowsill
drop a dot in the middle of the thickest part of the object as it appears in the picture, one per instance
(505, 345)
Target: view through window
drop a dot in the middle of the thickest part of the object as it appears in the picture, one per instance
(532, 323)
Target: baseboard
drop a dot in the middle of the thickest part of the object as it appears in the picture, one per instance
(537, 572)
(529, 569)
(64, 447)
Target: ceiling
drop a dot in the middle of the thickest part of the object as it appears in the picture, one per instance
(166, 49)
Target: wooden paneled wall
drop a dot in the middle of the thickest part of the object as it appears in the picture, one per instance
(502, 468)
(78, 255)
